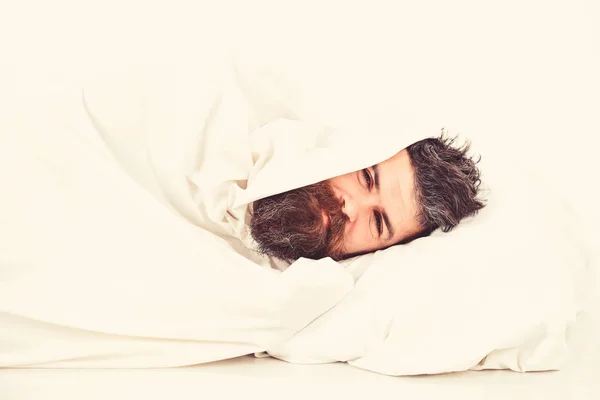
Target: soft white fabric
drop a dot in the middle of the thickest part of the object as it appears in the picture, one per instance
(96, 272)
(135, 261)
(498, 292)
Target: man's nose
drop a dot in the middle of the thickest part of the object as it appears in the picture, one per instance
(353, 206)
(350, 208)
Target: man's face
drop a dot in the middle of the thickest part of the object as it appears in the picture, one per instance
(351, 214)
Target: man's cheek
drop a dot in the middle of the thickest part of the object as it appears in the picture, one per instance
(347, 240)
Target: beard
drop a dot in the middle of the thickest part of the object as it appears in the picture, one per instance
(290, 225)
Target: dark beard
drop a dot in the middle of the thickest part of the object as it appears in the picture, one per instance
(290, 225)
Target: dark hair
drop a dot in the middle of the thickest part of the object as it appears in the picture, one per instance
(447, 183)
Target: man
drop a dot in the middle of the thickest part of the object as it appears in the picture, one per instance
(429, 185)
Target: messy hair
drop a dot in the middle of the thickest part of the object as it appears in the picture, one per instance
(447, 182)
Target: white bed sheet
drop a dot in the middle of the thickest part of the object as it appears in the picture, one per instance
(269, 378)
(274, 379)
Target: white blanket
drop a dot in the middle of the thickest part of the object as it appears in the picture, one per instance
(97, 272)
(130, 257)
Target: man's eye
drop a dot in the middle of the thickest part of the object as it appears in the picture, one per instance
(378, 223)
(367, 178)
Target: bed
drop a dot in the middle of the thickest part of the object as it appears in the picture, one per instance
(273, 379)
(269, 378)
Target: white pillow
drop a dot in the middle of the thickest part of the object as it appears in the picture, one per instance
(496, 292)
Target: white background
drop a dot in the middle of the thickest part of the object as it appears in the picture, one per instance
(520, 73)
(519, 78)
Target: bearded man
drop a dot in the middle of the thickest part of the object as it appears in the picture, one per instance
(430, 184)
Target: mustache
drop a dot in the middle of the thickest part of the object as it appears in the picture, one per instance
(289, 225)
